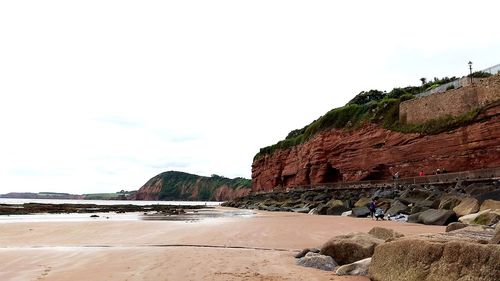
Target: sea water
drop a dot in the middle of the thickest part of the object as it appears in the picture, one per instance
(86, 216)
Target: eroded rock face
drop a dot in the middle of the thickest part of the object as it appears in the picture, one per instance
(431, 258)
(375, 153)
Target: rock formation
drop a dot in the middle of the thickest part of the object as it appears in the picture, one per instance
(454, 256)
(367, 151)
(173, 185)
(371, 153)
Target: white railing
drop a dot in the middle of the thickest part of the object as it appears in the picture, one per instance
(458, 83)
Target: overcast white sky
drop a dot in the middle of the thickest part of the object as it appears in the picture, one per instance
(99, 96)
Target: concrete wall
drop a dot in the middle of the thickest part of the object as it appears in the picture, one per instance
(452, 102)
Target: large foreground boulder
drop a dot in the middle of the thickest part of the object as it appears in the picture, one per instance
(355, 268)
(351, 247)
(428, 259)
(318, 261)
(467, 206)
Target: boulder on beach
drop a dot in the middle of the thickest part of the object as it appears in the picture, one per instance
(362, 202)
(490, 204)
(469, 219)
(360, 212)
(390, 193)
(455, 226)
(384, 233)
(489, 217)
(351, 247)
(318, 261)
(449, 202)
(437, 217)
(439, 258)
(413, 218)
(304, 252)
(323, 197)
(416, 195)
(336, 207)
(355, 268)
(467, 206)
(398, 208)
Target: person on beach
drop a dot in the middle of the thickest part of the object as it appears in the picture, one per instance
(372, 206)
(379, 214)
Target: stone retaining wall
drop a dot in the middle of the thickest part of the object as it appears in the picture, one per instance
(453, 102)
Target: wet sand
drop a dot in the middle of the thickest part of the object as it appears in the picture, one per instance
(248, 247)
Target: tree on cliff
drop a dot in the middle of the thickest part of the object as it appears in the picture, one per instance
(366, 97)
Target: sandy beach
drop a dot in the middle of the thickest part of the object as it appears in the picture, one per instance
(259, 246)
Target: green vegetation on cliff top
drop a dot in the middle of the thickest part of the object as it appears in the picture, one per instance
(377, 107)
(183, 186)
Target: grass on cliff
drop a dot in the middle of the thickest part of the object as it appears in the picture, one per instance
(384, 112)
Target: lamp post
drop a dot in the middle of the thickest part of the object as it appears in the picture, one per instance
(470, 70)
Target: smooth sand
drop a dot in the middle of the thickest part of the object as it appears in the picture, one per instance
(259, 247)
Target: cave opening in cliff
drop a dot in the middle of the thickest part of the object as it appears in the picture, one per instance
(288, 180)
(379, 172)
(332, 174)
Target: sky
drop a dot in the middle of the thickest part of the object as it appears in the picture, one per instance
(100, 96)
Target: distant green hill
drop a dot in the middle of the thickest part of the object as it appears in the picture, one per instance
(174, 185)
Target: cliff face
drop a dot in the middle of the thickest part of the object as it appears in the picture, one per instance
(174, 185)
(375, 153)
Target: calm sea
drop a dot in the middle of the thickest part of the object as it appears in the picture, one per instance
(86, 217)
(106, 202)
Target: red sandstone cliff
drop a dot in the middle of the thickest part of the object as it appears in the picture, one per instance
(174, 185)
(375, 153)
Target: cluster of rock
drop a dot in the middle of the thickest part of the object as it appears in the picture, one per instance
(469, 253)
(428, 204)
